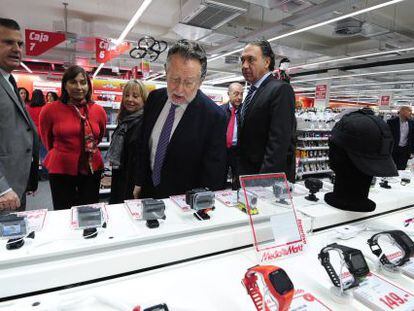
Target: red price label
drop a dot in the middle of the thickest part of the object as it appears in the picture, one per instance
(392, 300)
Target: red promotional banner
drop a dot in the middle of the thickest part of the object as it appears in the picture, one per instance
(39, 41)
(106, 50)
(321, 92)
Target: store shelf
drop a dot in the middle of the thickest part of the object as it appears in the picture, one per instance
(108, 104)
(313, 138)
(111, 126)
(314, 130)
(315, 172)
(104, 145)
(313, 148)
(318, 159)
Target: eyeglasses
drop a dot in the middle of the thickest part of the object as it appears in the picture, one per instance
(187, 84)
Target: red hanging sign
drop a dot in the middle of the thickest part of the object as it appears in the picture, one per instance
(39, 41)
(106, 50)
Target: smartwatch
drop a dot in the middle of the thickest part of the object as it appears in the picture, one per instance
(277, 281)
(403, 242)
(353, 258)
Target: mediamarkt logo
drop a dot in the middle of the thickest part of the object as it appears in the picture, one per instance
(280, 252)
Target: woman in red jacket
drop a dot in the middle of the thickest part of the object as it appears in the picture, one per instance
(71, 130)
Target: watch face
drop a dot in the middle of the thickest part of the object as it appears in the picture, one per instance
(359, 265)
(281, 281)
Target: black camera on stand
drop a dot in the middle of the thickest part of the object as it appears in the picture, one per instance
(201, 200)
(14, 228)
(152, 210)
(313, 185)
(90, 218)
(281, 193)
(384, 183)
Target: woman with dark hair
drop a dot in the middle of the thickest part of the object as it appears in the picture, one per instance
(51, 97)
(34, 108)
(123, 151)
(24, 95)
(71, 129)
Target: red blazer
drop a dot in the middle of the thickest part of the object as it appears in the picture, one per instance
(34, 113)
(60, 130)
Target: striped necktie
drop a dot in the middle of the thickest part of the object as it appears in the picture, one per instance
(163, 142)
(246, 102)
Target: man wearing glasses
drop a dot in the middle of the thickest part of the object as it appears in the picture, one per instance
(184, 132)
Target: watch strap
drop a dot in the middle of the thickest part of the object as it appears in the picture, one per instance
(253, 290)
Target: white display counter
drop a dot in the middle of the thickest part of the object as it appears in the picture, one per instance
(59, 256)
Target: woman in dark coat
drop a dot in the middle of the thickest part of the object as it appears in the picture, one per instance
(123, 151)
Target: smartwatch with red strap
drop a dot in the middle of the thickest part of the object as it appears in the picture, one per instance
(276, 280)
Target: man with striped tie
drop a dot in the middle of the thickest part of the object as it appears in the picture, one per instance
(184, 132)
(267, 114)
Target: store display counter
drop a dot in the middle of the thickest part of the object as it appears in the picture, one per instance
(214, 283)
(59, 256)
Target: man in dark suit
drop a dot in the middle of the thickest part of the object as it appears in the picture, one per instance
(19, 142)
(402, 128)
(231, 109)
(267, 114)
(183, 144)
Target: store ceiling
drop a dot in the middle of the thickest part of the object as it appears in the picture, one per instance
(231, 24)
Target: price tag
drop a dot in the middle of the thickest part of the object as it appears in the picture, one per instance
(303, 301)
(380, 295)
(35, 219)
(180, 201)
(135, 208)
(227, 197)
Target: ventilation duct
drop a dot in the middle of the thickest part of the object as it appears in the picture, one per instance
(209, 14)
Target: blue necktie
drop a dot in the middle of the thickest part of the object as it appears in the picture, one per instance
(246, 102)
(162, 146)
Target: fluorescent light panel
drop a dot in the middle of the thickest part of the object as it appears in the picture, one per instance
(128, 28)
(329, 21)
(25, 67)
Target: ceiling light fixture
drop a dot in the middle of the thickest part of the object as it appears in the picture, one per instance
(353, 75)
(25, 67)
(329, 21)
(128, 28)
(337, 60)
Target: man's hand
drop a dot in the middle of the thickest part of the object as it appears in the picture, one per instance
(9, 200)
(136, 192)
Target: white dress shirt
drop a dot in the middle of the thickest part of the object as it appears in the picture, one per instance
(156, 131)
(404, 129)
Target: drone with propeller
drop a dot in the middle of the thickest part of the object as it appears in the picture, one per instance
(148, 48)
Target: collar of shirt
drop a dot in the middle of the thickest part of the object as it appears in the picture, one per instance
(231, 106)
(259, 82)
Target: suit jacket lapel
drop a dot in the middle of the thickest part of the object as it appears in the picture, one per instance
(256, 95)
(14, 98)
(158, 105)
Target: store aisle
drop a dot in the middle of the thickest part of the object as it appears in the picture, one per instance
(41, 199)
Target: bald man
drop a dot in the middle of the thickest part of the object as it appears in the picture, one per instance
(402, 128)
(231, 109)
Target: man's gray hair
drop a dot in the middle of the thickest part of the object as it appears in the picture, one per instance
(189, 50)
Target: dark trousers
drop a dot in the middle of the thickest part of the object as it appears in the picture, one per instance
(232, 159)
(68, 191)
(400, 156)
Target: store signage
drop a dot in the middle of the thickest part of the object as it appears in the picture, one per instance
(107, 50)
(145, 68)
(385, 99)
(322, 95)
(39, 41)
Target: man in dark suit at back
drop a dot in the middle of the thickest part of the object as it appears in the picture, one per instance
(19, 141)
(267, 114)
(232, 108)
(184, 132)
(402, 128)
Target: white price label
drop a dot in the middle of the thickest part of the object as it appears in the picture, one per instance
(380, 295)
(135, 208)
(180, 201)
(303, 301)
(227, 197)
